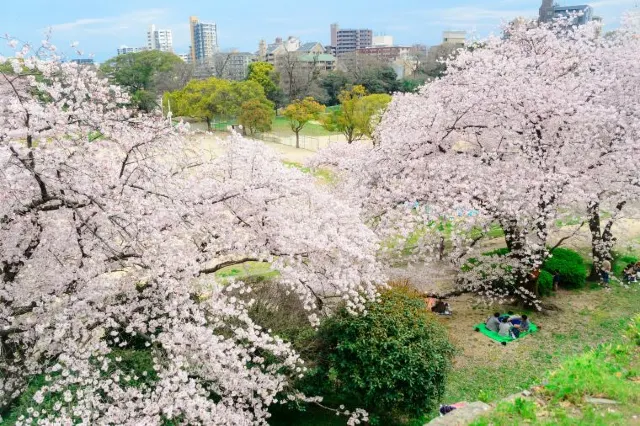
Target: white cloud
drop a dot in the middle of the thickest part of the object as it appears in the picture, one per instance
(114, 23)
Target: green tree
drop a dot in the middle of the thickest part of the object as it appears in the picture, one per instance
(379, 80)
(300, 112)
(256, 116)
(347, 118)
(372, 108)
(358, 115)
(214, 98)
(137, 72)
(266, 76)
(333, 84)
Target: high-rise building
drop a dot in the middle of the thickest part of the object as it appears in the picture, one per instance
(159, 39)
(334, 34)
(580, 14)
(204, 39)
(546, 11)
(352, 40)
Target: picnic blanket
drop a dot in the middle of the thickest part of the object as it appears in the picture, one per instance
(482, 328)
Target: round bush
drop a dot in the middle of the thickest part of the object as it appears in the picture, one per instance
(570, 265)
(391, 361)
(545, 283)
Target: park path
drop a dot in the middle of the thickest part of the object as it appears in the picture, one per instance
(210, 143)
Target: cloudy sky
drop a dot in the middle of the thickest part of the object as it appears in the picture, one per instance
(101, 26)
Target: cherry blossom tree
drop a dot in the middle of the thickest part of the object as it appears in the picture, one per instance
(111, 231)
(613, 184)
(511, 133)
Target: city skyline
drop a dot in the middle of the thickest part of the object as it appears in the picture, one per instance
(104, 26)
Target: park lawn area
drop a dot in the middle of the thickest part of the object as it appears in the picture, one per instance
(609, 371)
(487, 371)
(247, 270)
(280, 126)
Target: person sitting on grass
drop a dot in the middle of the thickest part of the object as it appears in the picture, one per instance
(493, 323)
(630, 273)
(524, 325)
(515, 319)
(505, 327)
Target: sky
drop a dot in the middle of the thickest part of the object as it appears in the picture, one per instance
(101, 26)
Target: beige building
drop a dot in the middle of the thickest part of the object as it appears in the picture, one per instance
(454, 37)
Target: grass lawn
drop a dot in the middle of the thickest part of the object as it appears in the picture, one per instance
(281, 127)
(487, 371)
(248, 269)
(608, 371)
(323, 175)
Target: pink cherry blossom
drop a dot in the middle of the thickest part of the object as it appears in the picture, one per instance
(111, 230)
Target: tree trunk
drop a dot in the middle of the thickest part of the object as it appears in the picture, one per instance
(297, 139)
(596, 240)
(527, 276)
(602, 240)
(208, 123)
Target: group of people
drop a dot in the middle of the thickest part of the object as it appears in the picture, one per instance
(632, 272)
(509, 325)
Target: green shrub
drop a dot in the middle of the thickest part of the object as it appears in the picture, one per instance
(392, 361)
(633, 332)
(545, 283)
(570, 265)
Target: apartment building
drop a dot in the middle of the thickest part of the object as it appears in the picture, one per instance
(159, 39)
(350, 40)
(204, 39)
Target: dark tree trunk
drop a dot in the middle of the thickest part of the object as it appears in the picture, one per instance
(527, 276)
(297, 139)
(602, 240)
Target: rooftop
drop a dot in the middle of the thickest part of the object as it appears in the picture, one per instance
(308, 46)
(323, 57)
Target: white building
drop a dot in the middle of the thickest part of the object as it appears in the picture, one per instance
(382, 41)
(123, 50)
(159, 39)
(454, 37)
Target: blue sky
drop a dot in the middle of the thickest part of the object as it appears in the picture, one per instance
(101, 26)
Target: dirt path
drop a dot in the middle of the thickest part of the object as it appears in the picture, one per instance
(210, 144)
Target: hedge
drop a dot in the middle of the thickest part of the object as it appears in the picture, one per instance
(545, 283)
(570, 265)
(393, 361)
